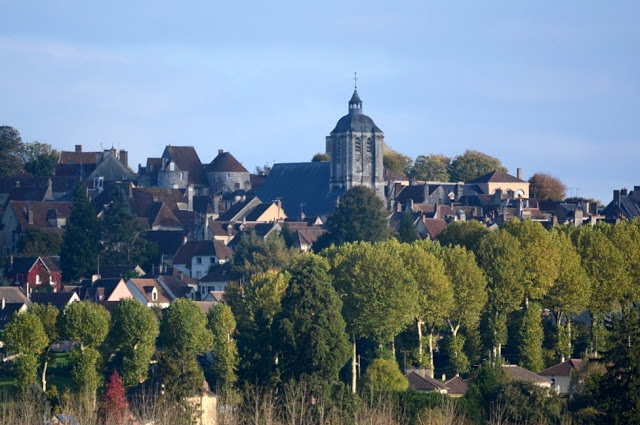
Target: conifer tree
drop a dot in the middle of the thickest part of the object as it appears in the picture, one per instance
(407, 232)
(81, 242)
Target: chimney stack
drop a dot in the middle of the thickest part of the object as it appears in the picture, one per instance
(30, 215)
(124, 157)
(623, 191)
(616, 197)
(220, 151)
(519, 173)
(78, 148)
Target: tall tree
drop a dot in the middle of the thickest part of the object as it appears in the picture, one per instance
(132, 339)
(184, 327)
(255, 305)
(48, 315)
(395, 161)
(10, 148)
(81, 241)
(25, 336)
(222, 324)
(500, 256)
(309, 332)
(34, 242)
(430, 168)
(464, 233)
(469, 297)
(626, 237)
(360, 216)
(254, 254)
(544, 187)
(407, 232)
(39, 159)
(473, 164)
(531, 336)
(87, 324)
(379, 294)
(435, 293)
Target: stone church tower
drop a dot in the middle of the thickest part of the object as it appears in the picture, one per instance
(356, 146)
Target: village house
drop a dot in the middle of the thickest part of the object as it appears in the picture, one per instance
(195, 257)
(562, 374)
(35, 273)
(12, 300)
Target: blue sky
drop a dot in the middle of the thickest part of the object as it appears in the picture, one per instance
(545, 86)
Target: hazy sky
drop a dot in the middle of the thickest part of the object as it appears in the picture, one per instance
(547, 86)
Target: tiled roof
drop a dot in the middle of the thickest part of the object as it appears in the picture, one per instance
(562, 369)
(201, 248)
(522, 374)
(205, 305)
(225, 162)
(308, 235)
(178, 287)
(142, 197)
(496, 177)
(72, 157)
(434, 226)
(424, 383)
(40, 211)
(145, 287)
(160, 215)
(221, 228)
(186, 159)
(393, 176)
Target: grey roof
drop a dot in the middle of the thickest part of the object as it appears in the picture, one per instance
(14, 295)
(355, 98)
(57, 299)
(355, 123)
(424, 382)
(496, 176)
(521, 374)
(305, 183)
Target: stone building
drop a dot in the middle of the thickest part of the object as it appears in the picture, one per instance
(356, 148)
(226, 174)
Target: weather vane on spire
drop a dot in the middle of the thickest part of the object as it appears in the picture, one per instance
(355, 80)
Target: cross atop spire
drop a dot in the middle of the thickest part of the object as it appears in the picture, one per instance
(355, 80)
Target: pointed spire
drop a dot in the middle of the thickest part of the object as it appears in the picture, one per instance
(355, 104)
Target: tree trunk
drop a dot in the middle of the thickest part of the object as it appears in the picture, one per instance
(431, 365)
(44, 372)
(569, 333)
(353, 367)
(420, 351)
(393, 348)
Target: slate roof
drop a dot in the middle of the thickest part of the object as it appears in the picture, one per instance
(57, 299)
(417, 193)
(424, 382)
(393, 176)
(255, 213)
(116, 271)
(355, 120)
(496, 176)
(14, 295)
(186, 159)
(457, 386)
(305, 183)
(28, 194)
(562, 369)
(203, 249)
(218, 274)
(225, 162)
(202, 204)
(167, 240)
(23, 264)
(522, 374)
(178, 287)
(236, 211)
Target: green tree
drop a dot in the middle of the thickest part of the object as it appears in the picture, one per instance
(87, 324)
(132, 339)
(81, 242)
(430, 168)
(184, 327)
(34, 242)
(407, 232)
(39, 159)
(222, 324)
(546, 187)
(626, 237)
(321, 157)
(379, 294)
(464, 233)
(254, 254)
(570, 292)
(121, 232)
(48, 315)
(310, 336)
(255, 305)
(25, 336)
(10, 148)
(531, 336)
(469, 298)
(360, 216)
(395, 161)
(383, 375)
(435, 292)
(473, 164)
(500, 256)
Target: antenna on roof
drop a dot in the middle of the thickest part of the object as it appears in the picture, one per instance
(355, 80)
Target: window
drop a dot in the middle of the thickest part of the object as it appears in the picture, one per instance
(198, 260)
(181, 176)
(212, 260)
(154, 295)
(198, 275)
(37, 279)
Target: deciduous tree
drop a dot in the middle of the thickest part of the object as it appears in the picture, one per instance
(430, 168)
(473, 164)
(10, 148)
(321, 157)
(48, 315)
(184, 328)
(464, 233)
(34, 242)
(395, 161)
(254, 254)
(544, 187)
(25, 336)
(39, 159)
(222, 324)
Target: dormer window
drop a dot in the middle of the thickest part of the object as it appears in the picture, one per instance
(154, 294)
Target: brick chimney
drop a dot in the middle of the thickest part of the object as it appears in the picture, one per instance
(220, 151)
(124, 157)
(78, 148)
(623, 191)
(519, 173)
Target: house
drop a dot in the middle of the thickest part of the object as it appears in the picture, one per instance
(149, 292)
(36, 273)
(304, 238)
(625, 204)
(178, 285)
(216, 280)
(95, 168)
(19, 216)
(513, 187)
(226, 174)
(12, 300)
(59, 300)
(214, 297)
(106, 289)
(180, 167)
(518, 373)
(430, 228)
(420, 380)
(561, 374)
(457, 387)
(195, 257)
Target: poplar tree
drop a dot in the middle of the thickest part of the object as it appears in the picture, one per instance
(222, 324)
